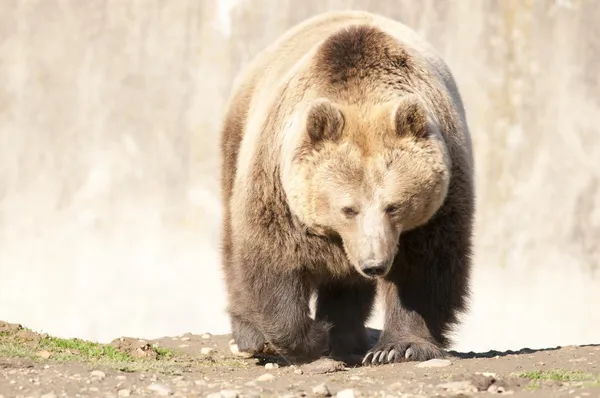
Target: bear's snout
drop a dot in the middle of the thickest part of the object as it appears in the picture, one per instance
(374, 268)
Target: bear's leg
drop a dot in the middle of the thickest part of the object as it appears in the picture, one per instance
(426, 290)
(346, 305)
(247, 337)
(276, 303)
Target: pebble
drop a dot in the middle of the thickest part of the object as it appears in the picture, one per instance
(44, 354)
(347, 393)
(98, 374)
(321, 389)
(121, 377)
(265, 377)
(236, 351)
(206, 336)
(459, 387)
(124, 392)
(229, 393)
(206, 350)
(270, 366)
(186, 338)
(184, 345)
(49, 395)
(434, 363)
(214, 395)
(200, 382)
(160, 389)
(496, 389)
(298, 371)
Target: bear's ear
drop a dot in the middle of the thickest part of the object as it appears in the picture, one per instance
(324, 121)
(410, 117)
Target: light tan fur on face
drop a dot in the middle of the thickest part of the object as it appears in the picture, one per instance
(369, 175)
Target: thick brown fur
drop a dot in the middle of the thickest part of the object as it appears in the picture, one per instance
(362, 77)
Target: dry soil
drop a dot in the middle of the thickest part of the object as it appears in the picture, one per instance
(37, 365)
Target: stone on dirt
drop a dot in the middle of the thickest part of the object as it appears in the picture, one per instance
(321, 389)
(98, 374)
(236, 351)
(434, 363)
(265, 377)
(323, 366)
(160, 389)
(229, 393)
(459, 387)
(347, 393)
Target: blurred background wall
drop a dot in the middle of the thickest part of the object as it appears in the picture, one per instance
(109, 192)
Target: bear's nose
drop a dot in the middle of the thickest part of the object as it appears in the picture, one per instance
(374, 268)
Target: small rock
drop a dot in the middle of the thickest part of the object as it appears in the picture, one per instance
(347, 393)
(321, 389)
(459, 387)
(98, 374)
(229, 393)
(185, 338)
(206, 336)
(323, 366)
(265, 377)
(184, 345)
(121, 377)
(270, 366)
(49, 395)
(434, 363)
(236, 351)
(206, 350)
(214, 395)
(124, 392)
(44, 354)
(494, 388)
(298, 371)
(200, 382)
(160, 389)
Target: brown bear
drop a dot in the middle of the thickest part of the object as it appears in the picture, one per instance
(347, 171)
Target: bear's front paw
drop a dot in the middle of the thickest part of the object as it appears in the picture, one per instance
(401, 351)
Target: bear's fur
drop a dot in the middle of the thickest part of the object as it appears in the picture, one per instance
(347, 170)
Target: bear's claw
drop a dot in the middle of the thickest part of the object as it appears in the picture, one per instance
(401, 352)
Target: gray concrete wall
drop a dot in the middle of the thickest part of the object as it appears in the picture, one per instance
(109, 116)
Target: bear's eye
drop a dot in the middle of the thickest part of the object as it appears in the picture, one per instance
(392, 209)
(349, 211)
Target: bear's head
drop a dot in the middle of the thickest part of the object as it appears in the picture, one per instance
(365, 174)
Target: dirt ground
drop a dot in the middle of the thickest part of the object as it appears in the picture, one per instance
(37, 365)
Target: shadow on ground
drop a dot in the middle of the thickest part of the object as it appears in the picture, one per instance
(375, 333)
